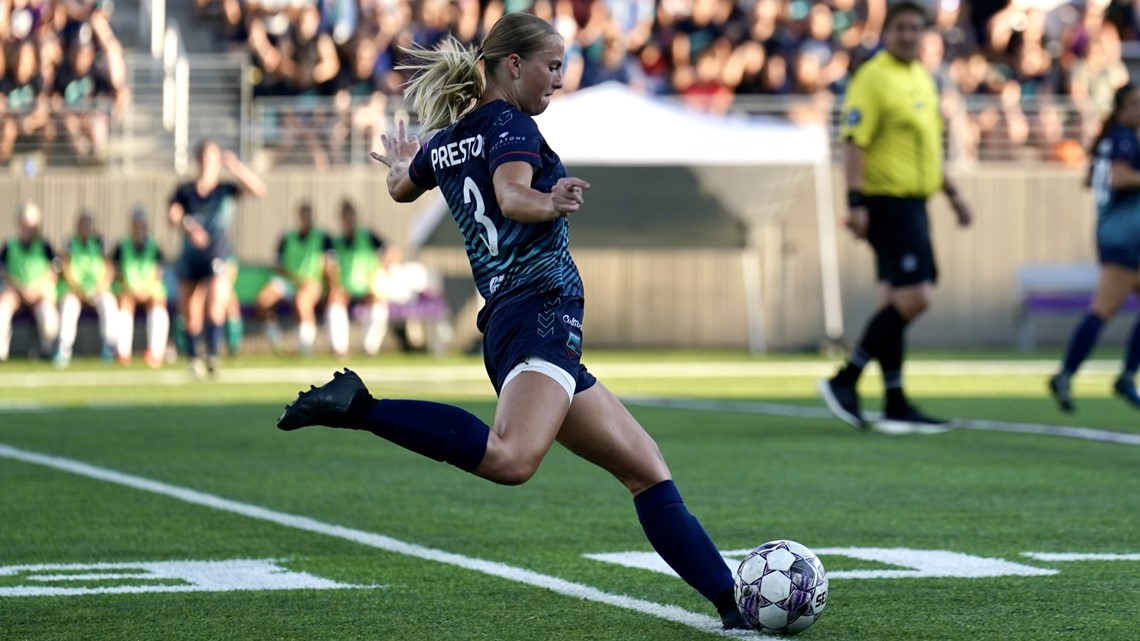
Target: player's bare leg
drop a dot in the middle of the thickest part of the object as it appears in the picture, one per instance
(601, 430)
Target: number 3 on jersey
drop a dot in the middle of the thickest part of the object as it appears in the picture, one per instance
(471, 192)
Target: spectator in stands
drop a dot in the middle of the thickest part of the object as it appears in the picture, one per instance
(25, 112)
(358, 254)
(1115, 180)
(29, 281)
(702, 86)
(743, 73)
(87, 97)
(137, 264)
(296, 57)
(614, 65)
(633, 19)
(1095, 79)
(304, 263)
(203, 210)
(359, 99)
(88, 284)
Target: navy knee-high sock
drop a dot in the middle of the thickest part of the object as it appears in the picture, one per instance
(192, 344)
(1132, 356)
(681, 541)
(1082, 342)
(440, 432)
(213, 339)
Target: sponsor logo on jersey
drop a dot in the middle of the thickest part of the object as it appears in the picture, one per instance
(571, 321)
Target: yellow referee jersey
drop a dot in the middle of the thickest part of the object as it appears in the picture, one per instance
(891, 111)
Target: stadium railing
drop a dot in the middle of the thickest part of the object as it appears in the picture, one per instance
(979, 128)
(51, 145)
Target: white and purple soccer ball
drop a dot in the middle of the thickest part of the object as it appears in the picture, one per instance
(781, 587)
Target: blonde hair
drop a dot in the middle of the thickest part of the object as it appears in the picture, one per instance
(446, 81)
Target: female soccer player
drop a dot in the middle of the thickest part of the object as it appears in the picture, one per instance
(203, 209)
(1115, 180)
(511, 196)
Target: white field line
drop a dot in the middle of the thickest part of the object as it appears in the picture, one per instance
(501, 570)
(1080, 556)
(379, 375)
(800, 411)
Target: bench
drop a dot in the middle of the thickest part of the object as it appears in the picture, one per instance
(429, 308)
(1051, 289)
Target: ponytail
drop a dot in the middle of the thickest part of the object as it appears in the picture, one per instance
(446, 82)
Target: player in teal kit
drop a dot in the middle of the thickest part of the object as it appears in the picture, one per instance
(510, 197)
(1115, 181)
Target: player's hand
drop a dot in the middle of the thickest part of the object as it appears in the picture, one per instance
(858, 221)
(963, 211)
(397, 146)
(230, 160)
(567, 195)
(199, 237)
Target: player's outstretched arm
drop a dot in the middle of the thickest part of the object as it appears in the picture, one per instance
(250, 182)
(399, 150)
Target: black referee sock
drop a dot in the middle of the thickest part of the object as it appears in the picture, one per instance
(884, 328)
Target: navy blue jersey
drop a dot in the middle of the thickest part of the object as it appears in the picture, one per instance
(508, 258)
(1118, 210)
(214, 212)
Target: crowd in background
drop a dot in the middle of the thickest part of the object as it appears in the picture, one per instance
(1037, 74)
(1021, 79)
(62, 77)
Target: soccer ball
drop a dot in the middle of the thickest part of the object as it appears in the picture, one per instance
(781, 587)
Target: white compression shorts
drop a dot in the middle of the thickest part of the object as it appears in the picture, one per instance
(546, 368)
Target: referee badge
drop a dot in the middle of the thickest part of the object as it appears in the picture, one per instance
(853, 117)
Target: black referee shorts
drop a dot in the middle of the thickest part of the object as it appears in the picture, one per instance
(899, 232)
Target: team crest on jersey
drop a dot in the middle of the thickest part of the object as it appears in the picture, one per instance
(853, 117)
(574, 345)
(504, 118)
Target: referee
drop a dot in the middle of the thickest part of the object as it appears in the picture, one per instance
(893, 161)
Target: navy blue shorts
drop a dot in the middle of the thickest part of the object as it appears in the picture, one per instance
(549, 327)
(197, 268)
(1124, 255)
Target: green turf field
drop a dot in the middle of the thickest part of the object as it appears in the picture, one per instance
(139, 505)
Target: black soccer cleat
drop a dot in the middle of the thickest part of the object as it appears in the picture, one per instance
(1062, 391)
(333, 404)
(732, 619)
(1126, 388)
(909, 419)
(843, 401)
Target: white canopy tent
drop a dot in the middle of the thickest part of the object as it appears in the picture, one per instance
(610, 126)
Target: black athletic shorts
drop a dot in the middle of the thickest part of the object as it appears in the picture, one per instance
(899, 232)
